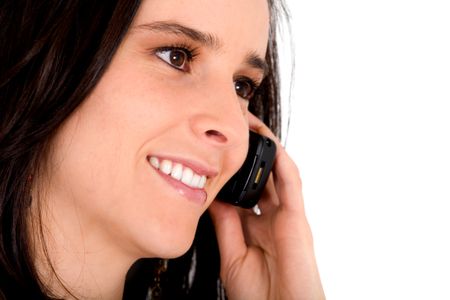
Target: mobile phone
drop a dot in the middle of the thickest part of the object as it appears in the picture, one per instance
(245, 187)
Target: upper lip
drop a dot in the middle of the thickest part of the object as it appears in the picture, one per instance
(196, 165)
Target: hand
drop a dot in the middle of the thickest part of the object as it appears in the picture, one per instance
(269, 256)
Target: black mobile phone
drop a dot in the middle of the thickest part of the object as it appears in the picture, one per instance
(245, 187)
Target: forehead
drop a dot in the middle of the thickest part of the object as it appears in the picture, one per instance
(237, 24)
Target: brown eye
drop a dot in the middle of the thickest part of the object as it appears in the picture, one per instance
(245, 88)
(175, 57)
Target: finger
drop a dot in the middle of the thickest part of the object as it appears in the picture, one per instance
(269, 198)
(230, 236)
(287, 181)
(286, 175)
(258, 126)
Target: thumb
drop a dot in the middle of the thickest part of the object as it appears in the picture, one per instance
(230, 236)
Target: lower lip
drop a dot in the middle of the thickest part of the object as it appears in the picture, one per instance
(197, 196)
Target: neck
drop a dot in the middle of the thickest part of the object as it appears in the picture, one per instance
(75, 260)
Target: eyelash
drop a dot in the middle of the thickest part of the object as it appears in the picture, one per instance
(253, 85)
(191, 53)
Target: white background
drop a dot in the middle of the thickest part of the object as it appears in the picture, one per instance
(370, 131)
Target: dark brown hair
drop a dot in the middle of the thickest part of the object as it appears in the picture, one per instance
(53, 54)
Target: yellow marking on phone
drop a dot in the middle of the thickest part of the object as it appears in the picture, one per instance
(258, 175)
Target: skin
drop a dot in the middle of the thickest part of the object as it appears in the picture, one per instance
(104, 206)
(270, 256)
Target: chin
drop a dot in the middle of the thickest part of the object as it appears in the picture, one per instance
(179, 250)
(169, 243)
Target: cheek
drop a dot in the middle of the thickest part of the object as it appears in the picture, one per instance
(98, 159)
(87, 157)
(234, 162)
(95, 170)
(142, 103)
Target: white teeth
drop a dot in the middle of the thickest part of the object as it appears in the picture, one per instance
(166, 166)
(202, 182)
(195, 180)
(179, 172)
(187, 176)
(154, 162)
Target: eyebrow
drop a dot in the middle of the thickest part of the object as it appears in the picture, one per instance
(257, 62)
(209, 40)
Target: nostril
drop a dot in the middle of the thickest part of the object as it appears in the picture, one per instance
(216, 135)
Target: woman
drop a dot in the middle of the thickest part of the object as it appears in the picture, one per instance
(100, 102)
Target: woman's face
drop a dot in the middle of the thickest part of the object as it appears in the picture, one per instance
(174, 96)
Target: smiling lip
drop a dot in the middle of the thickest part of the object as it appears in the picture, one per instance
(197, 167)
(194, 194)
(197, 196)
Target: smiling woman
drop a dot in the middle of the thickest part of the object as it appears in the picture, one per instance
(120, 123)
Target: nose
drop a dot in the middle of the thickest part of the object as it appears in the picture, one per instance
(220, 117)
